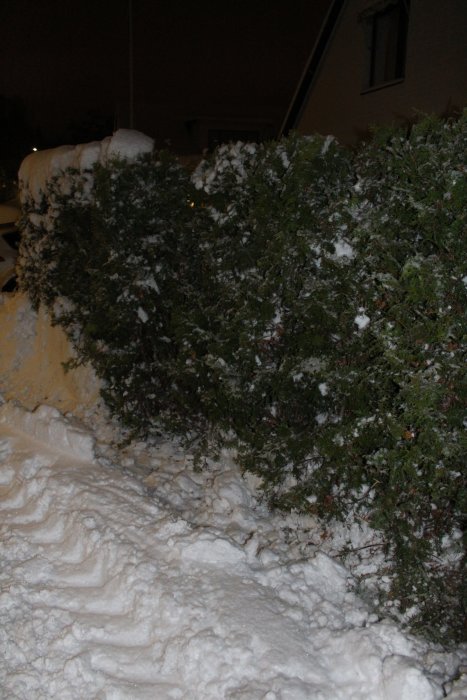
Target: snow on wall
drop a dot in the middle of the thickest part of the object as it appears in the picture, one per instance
(39, 167)
(31, 350)
(31, 357)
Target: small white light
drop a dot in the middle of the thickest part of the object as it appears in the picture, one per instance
(34, 148)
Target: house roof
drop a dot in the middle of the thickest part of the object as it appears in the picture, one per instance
(308, 76)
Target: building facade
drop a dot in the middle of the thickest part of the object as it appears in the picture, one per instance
(382, 62)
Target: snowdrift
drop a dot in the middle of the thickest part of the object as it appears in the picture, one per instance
(112, 590)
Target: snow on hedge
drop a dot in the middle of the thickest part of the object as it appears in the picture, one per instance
(223, 303)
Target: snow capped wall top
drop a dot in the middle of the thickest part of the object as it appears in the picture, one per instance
(126, 143)
(41, 166)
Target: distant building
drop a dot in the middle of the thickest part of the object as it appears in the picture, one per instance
(206, 133)
(382, 62)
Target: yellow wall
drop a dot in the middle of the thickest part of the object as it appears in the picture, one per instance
(31, 355)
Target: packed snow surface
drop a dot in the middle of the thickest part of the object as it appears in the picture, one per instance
(147, 579)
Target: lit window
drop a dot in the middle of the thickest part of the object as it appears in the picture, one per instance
(386, 33)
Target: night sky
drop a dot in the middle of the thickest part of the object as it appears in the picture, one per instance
(65, 65)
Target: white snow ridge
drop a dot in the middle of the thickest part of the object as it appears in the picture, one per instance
(115, 586)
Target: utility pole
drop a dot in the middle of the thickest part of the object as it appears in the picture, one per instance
(130, 64)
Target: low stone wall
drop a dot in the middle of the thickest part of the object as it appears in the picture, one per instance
(31, 355)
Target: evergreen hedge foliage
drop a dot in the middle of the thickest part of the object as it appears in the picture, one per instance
(301, 303)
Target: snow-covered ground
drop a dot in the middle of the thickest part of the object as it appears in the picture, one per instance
(126, 574)
(144, 579)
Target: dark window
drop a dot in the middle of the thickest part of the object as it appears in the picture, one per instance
(386, 31)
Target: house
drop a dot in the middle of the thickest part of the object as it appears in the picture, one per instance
(382, 62)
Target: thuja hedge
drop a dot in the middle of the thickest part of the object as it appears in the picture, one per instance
(299, 302)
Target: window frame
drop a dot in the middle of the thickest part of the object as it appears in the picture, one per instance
(371, 18)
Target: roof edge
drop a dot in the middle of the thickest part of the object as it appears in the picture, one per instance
(308, 76)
